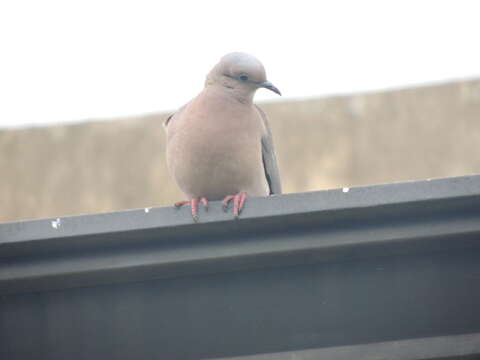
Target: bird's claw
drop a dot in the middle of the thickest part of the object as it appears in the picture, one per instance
(179, 204)
(238, 202)
(193, 205)
(204, 201)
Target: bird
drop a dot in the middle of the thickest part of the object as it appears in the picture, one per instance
(219, 145)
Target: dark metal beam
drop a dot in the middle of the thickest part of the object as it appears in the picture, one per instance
(135, 245)
(396, 266)
(442, 347)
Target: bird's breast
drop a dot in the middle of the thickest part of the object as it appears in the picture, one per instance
(215, 150)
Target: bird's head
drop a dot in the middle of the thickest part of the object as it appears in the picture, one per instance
(242, 73)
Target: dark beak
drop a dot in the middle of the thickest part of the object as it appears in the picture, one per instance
(268, 85)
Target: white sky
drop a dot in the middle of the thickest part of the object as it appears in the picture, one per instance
(72, 60)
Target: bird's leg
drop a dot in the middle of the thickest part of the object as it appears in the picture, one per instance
(238, 202)
(194, 205)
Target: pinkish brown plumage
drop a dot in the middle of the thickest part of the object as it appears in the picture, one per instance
(219, 145)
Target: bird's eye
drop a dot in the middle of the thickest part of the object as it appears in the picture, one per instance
(243, 77)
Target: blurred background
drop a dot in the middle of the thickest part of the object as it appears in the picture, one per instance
(374, 92)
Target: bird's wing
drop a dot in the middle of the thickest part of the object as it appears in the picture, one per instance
(166, 122)
(269, 158)
(171, 118)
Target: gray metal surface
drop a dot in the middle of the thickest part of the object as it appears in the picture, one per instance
(444, 347)
(136, 245)
(324, 269)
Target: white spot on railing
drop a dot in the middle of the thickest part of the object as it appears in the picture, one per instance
(147, 209)
(345, 189)
(56, 223)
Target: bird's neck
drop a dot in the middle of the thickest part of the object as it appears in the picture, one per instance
(240, 94)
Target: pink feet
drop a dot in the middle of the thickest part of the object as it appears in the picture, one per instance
(238, 202)
(194, 205)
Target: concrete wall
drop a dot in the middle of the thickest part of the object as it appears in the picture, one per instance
(424, 132)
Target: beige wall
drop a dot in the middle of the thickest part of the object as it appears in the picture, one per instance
(416, 133)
